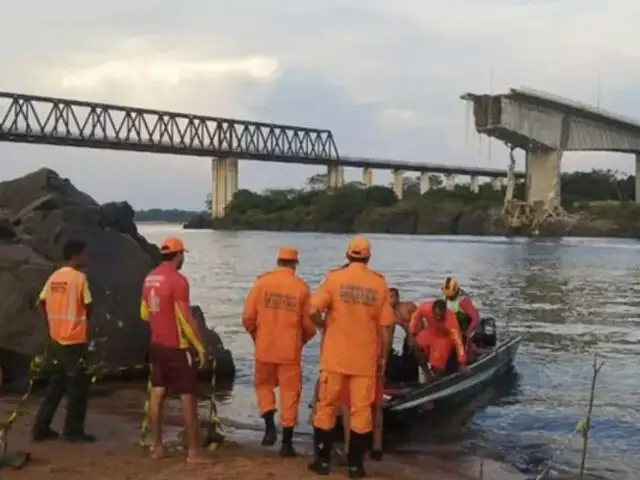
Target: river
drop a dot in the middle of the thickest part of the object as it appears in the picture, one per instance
(568, 298)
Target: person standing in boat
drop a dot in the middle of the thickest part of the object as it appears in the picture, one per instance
(402, 312)
(460, 303)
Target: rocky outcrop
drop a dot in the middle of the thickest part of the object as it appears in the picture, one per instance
(38, 213)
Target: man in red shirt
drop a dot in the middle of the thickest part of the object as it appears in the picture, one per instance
(174, 335)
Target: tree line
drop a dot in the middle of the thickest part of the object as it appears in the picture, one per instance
(314, 199)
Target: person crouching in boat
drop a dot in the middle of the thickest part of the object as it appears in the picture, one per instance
(440, 339)
(460, 303)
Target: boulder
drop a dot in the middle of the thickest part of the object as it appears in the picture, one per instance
(39, 212)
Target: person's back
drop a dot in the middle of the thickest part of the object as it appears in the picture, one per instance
(66, 305)
(63, 297)
(357, 335)
(159, 296)
(280, 301)
(357, 296)
(276, 315)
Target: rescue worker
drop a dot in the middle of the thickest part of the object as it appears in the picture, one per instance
(376, 412)
(439, 341)
(66, 305)
(460, 303)
(166, 307)
(276, 315)
(357, 335)
(429, 317)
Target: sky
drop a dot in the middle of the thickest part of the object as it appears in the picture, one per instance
(384, 76)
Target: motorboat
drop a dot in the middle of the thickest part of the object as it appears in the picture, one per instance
(403, 401)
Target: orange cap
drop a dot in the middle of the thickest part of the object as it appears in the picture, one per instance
(288, 253)
(358, 247)
(172, 245)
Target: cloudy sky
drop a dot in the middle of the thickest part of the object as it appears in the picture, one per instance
(385, 76)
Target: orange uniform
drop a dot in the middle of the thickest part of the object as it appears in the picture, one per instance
(451, 326)
(276, 315)
(437, 344)
(357, 303)
(66, 296)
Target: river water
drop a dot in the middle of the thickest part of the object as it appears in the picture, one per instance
(568, 298)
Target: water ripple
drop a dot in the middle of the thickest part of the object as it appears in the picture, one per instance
(568, 298)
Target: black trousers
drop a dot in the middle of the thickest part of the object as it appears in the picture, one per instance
(68, 375)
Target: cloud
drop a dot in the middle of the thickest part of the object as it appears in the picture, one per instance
(384, 76)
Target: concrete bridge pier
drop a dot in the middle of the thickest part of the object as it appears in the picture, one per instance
(335, 176)
(637, 190)
(449, 181)
(425, 182)
(398, 183)
(224, 184)
(474, 184)
(497, 184)
(543, 177)
(367, 176)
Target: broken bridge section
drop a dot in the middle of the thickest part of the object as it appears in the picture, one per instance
(545, 126)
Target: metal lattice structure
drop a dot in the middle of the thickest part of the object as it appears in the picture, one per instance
(56, 121)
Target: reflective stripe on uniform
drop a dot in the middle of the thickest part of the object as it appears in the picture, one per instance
(72, 303)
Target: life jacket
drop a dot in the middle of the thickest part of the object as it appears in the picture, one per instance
(464, 319)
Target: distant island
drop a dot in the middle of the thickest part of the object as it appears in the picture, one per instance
(168, 216)
(599, 203)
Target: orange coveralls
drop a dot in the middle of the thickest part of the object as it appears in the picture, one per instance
(356, 299)
(425, 311)
(276, 315)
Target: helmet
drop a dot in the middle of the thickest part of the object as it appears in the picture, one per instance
(450, 287)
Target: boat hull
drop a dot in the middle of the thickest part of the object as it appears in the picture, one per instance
(404, 402)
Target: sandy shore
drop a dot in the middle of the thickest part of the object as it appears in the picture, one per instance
(114, 418)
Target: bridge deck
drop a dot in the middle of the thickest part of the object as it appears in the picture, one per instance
(535, 120)
(43, 120)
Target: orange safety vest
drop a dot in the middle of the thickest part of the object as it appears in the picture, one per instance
(65, 295)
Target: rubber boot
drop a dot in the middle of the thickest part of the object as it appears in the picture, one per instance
(322, 445)
(287, 450)
(270, 433)
(358, 445)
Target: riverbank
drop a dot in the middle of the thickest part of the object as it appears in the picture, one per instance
(453, 217)
(114, 418)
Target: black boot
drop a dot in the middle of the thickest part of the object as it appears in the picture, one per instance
(270, 434)
(358, 445)
(322, 445)
(286, 450)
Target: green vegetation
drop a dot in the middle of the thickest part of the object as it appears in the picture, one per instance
(161, 215)
(376, 209)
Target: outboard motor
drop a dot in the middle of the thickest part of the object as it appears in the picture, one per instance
(486, 335)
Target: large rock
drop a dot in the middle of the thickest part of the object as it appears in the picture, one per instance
(40, 212)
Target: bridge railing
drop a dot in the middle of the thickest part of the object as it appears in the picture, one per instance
(56, 121)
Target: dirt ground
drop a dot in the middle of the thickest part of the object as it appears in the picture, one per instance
(114, 419)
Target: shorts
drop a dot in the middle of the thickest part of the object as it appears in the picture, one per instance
(173, 369)
(378, 395)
